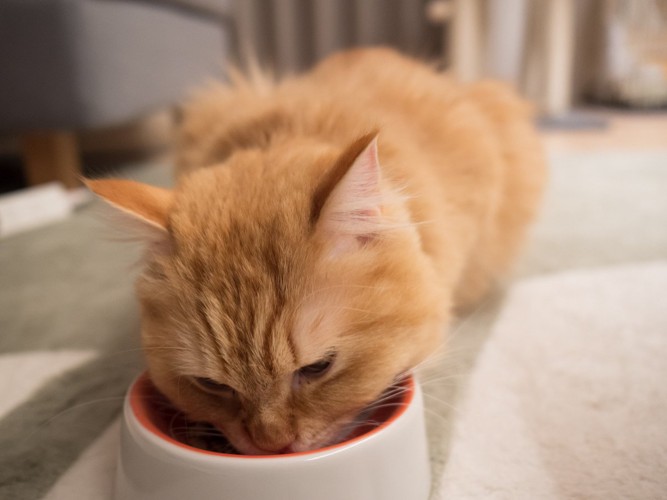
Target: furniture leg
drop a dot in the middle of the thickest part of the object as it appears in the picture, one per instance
(51, 156)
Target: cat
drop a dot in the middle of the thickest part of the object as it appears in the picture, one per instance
(322, 232)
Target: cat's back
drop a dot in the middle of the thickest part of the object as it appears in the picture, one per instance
(377, 88)
(345, 96)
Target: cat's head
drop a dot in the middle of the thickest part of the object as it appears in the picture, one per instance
(284, 291)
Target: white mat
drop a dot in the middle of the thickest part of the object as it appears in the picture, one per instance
(569, 397)
(25, 372)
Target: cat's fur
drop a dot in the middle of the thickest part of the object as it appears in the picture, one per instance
(304, 235)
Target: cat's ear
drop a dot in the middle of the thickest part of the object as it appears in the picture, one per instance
(147, 204)
(351, 211)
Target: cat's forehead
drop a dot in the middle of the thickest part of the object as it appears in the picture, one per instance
(245, 288)
(246, 333)
(244, 245)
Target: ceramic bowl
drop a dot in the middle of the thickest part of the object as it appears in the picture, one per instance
(389, 462)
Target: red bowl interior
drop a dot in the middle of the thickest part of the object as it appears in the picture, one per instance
(157, 416)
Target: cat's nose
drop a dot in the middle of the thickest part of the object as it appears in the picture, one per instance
(274, 449)
(278, 450)
(268, 440)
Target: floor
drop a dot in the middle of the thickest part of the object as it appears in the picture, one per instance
(625, 130)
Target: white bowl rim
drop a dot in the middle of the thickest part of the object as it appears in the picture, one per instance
(142, 429)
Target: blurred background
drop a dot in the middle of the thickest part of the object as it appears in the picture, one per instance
(88, 85)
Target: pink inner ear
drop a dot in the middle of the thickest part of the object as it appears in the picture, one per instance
(352, 212)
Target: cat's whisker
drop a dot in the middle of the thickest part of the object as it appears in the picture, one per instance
(461, 323)
(356, 309)
(423, 222)
(430, 381)
(179, 378)
(391, 393)
(171, 423)
(163, 348)
(75, 407)
(444, 365)
(437, 416)
(367, 422)
(434, 356)
(110, 354)
(388, 405)
(394, 393)
(187, 431)
(436, 399)
(382, 400)
(356, 424)
(444, 352)
(311, 294)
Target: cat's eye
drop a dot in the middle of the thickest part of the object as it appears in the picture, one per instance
(317, 369)
(211, 385)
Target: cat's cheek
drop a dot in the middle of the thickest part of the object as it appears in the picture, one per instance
(320, 435)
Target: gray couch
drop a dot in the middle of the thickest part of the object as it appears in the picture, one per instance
(73, 64)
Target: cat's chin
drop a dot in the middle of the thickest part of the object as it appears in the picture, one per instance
(249, 449)
(244, 446)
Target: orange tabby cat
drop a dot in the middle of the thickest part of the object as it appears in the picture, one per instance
(340, 217)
